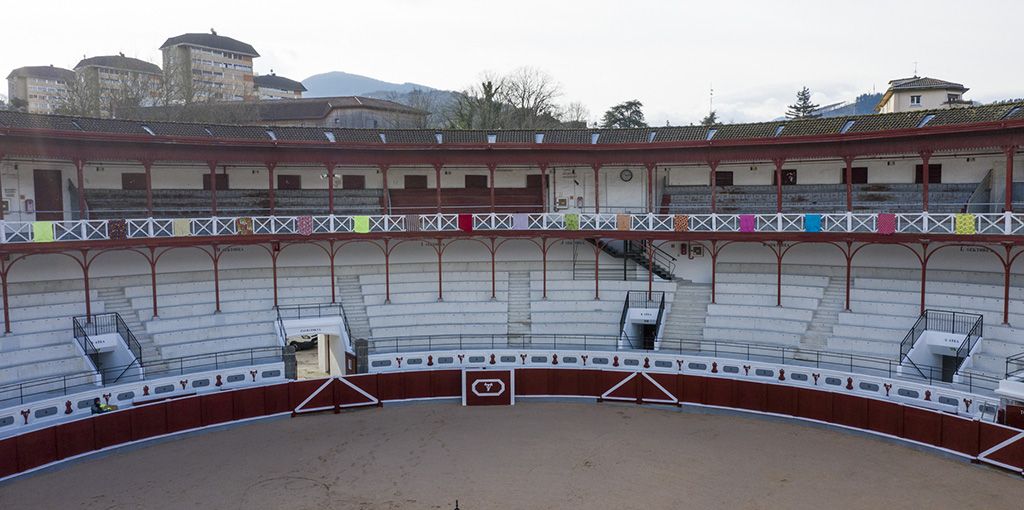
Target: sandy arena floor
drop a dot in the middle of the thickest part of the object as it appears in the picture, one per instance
(533, 455)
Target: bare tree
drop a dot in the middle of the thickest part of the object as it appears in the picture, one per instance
(83, 98)
(530, 93)
(574, 115)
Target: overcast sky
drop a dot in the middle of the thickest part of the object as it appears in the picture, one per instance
(667, 54)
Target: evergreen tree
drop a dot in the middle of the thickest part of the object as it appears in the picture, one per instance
(803, 108)
(710, 120)
(624, 115)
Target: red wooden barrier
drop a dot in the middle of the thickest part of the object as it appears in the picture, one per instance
(74, 438)
(216, 408)
(148, 421)
(37, 448)
(751, 395)
(814, 404)
(781, 399)
(960, 435)
(532, 381)
(248, 403)
(113, 428)
(8, 457)
(885, 417)
(850, 410)
(922, 425)
(185, 413)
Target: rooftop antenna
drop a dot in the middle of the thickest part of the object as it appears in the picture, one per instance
(711, 100)
(915, 68)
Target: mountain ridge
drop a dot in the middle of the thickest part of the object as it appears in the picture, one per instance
(340, 83)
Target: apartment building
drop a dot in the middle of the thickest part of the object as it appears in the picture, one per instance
(917, 93)
(119, 79)
(272, 86)
(42, 88)
(210, 66)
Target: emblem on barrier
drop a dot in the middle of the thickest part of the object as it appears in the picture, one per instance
(488, 387)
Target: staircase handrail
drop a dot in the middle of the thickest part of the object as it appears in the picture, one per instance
(965, 348)
(90, 350)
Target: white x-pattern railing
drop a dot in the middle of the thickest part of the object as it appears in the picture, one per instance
(1008, 224)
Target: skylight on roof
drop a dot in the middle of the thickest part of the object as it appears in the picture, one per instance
(538, 138)
(927, 118)
(846, 127)
(492, 138)
(330, 136)
(76, 124)
(148, 130)
(383, 138)
(711, 133)
(594, 137)
(439, 137)
(272, 135)
(778, 130)
(651, 135)
(208, 132)
(1013, 111)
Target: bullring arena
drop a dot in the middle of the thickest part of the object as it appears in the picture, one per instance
(744, 315)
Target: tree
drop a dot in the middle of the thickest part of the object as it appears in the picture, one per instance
(478, 107)
(18, 104)
(710, 119)
(574, 115)
(803, 108)
(530, 95)
(82, 99)
(624, 115)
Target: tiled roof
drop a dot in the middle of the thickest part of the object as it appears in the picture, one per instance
(917, 83)
(120, 62)
(43, 72)
(273, 81)
(212, 41)
(776, 129)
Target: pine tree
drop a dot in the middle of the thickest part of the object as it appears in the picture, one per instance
(710, 120)
(803, 108)
(624, 115)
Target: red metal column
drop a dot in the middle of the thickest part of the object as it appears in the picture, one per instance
(1006, 289)
(152, 277)
(849, 182)
(924, 269)
(2, 187)
(925, 177)
(494, 280)
(437, 184)
(544, 187)
(330, 186)
(714, 184)
(270, 184)
(778, 273)
(216, 279)
(597, 187)
(334, 285)
(778, 183)
(544, 269)
(849, 264)
(1010, 151)
(387, 194)
(275, 249)
(597, 268)
(440, 278)
(79, 170)
(714, 268)
(650, 186)
(148, 165)
(7, 306)
(490, 170)
(213, 186)
(650, 268)
(85, 279)
(387, 271)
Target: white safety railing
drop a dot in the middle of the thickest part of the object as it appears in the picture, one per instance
(1001, 224)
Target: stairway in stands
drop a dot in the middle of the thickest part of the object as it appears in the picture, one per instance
(351, 294)
(115, 300)
(636, 251)
(519, 323)
(685, 320)
(826, 315)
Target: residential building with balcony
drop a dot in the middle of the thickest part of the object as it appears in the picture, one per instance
(917, 93)
(117, 79)
(210, 66)
(43, 88)
(272, 86)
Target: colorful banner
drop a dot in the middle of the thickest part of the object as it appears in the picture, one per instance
(182, 227)
(812, 223)
(412, 223)
(572, 221)
(304, 224)
(42, 231)
(520, 221)
(886, 223)
(243, 226)
(361, 224)
(747, 223)
(465, 222)
(622, 222)
(117, 229)
(681, 223)
(965, 224)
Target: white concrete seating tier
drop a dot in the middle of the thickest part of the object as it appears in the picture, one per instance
(745, 308)
(466, 309)
(570, 307)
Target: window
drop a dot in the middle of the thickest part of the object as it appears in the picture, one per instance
(723, 178)
(915, 100)
(533, 181)
(934, 174)
(924, 121)
(222, 181)
(711, 133)
(788, 177)
(289, 182)
(356, 182)
(859, 175)
(415, 182)
(778, 130)
(133, 181)
(846, 127)
(476, 181)
(952, 98)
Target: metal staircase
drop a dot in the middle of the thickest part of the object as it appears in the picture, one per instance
(636, 261)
